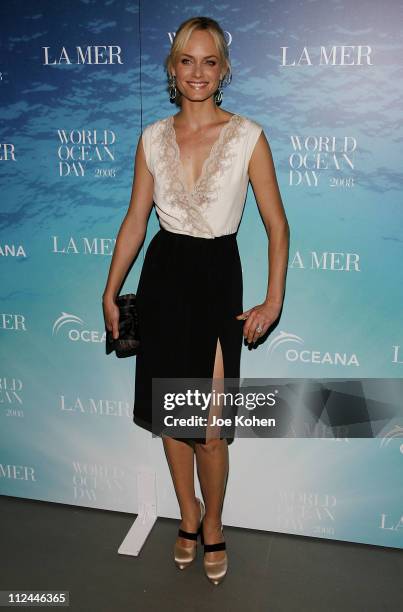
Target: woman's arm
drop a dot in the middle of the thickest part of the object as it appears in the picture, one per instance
(130, 237)
(263, 178)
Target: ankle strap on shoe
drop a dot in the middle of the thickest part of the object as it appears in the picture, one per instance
(214, 547)
(188, 535)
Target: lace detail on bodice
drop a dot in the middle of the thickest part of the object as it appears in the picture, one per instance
(193, 204)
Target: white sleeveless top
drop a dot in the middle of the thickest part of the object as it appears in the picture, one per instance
(214, 206)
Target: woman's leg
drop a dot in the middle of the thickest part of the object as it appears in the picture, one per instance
(212, 468)
(180, 457)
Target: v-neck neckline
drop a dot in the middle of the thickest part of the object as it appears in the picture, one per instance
(216, 143)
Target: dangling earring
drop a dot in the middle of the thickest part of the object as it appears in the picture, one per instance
(218, 93)
(172, 88)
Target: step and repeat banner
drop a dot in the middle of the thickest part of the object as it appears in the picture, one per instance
(78, 83)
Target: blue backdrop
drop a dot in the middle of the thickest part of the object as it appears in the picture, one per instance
(78, 83)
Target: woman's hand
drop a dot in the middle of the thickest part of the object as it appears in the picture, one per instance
(259, 318)
(111, 316)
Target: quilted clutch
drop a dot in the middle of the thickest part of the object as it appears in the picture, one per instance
(128, 342)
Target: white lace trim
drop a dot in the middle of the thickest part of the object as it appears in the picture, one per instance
(194, 204)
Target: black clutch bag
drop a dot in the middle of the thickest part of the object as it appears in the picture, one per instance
(128, 343)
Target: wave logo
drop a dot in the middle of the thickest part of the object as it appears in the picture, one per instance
(395, 432)
(309, 355)
(282, 338)
(72, 324)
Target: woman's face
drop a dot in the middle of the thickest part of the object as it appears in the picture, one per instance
(198, 68)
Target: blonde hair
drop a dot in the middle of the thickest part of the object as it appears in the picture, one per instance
(182, 36)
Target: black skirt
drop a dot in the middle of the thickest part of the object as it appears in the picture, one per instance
(189, 294)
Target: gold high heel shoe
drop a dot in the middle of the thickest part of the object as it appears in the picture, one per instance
(184, 556)
(214, 570)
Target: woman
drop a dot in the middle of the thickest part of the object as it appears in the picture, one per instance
(195, 166)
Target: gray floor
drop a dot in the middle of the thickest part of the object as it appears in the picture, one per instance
(54, 546)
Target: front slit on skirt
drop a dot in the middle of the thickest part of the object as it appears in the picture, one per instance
(189, 293)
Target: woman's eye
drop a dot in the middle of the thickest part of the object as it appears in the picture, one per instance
(212, 62)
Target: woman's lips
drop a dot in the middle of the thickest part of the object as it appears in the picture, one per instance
(196, 85)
